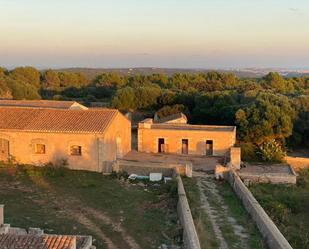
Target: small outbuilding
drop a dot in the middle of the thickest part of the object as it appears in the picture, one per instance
(175, 136)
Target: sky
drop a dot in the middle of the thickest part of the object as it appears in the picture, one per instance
(155, 33)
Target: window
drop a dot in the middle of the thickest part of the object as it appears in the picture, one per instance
(76, 150)
(39, 149)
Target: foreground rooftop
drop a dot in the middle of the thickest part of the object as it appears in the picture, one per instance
(41, 104)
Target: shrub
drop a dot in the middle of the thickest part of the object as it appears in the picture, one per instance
(271, 151)
(248, 152)
(279, 212)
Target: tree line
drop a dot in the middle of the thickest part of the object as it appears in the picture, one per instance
(271, 112)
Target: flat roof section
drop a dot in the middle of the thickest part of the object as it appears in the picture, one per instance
(193, 127)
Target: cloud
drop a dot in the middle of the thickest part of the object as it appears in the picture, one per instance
(294, 9)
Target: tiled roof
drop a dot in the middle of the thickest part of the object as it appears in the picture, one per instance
(38, 103)
(56, 120)
(172, 117)
(192, 127)
(14, 241)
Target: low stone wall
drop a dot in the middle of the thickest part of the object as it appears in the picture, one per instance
(297, 163)
(190, 237)
(269, 231)
(287, 177)
(145, 168)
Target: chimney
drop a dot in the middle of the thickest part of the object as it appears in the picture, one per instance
(1, 215)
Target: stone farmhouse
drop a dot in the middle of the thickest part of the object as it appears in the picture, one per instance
(35, 238)
(173, 135)
(88, 139)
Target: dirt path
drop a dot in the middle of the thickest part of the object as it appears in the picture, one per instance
(83, 215)
(227, 231)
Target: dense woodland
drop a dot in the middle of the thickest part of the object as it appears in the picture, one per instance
(271, 113)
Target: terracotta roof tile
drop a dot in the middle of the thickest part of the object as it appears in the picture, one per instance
(46, 241)
(56, 120)
(38, 103)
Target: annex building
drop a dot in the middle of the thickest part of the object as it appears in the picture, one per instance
(88, 139)
(173, 135)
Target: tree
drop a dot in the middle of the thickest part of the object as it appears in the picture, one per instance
(276, 82)
(301, 124)
(269, 117)
(216, 108)
(21, 90)
(147, 96)
(169, 110)
(27, 75)
(5, 92)
(3, 71)
(125, 99)
(51, 80)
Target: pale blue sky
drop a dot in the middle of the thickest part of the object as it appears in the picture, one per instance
(158, 33)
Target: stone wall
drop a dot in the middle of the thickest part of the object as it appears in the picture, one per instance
(190, 237)
(235, 157)
(298, 163)
(269, 231)
(148, 140)
(145, 168)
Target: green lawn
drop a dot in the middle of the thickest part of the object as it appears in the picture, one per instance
(288, 206)
(77, 202)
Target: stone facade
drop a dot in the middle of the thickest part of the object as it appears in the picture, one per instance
(93, 150)
(185, 138)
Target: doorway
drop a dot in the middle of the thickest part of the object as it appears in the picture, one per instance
(4, 149)
(185, 146)
(209, 147)
(161, 147)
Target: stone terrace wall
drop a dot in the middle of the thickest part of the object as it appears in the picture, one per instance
(269, 231)
(145, 168)
(298, 162)
(190, 237)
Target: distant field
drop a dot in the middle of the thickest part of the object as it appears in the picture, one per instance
(288, 206)
(91, 73)
(114, 212)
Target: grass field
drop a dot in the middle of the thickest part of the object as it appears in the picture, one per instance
(288, 206)
(116, 213)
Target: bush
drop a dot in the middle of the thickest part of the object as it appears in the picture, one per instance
(279, 212)
(248, 152)
(303, 178)
(271, 151)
